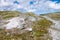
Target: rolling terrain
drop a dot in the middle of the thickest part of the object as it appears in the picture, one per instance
(29, 26)
(54, 30)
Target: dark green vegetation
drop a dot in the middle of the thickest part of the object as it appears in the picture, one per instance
(41, 29)
(39, 32)
(8, 14)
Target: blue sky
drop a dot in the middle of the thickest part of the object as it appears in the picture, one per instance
(56, 0)
(36, 6)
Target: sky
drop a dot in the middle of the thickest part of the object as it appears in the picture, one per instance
(36, 6)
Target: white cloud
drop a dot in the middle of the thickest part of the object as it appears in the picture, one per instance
(31, 10)
(5, 3)
(19, 6)
(38, 5)
(54, 5)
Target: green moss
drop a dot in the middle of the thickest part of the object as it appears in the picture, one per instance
(41, 27)
(8, 14)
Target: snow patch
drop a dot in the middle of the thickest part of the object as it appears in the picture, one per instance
(15, 23)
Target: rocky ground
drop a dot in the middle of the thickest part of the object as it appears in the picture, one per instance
(28, 26)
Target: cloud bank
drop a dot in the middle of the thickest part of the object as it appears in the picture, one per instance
(36, 6)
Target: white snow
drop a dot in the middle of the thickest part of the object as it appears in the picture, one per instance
(29, 29)
(15, 23)
(54, 33)
(12, 23)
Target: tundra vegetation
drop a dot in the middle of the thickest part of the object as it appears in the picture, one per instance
(39, 27)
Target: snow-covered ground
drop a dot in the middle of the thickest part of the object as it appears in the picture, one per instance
(55, 30)
(14, 23)
(18, 22)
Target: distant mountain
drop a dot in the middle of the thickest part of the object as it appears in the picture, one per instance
(55, 15)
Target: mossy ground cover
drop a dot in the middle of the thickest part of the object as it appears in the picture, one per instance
(8, 14)
(39, 32)
(39, 29)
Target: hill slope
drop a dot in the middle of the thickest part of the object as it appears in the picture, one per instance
(28, 26)
(8, 14)
(55, 16)
(55, 28)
